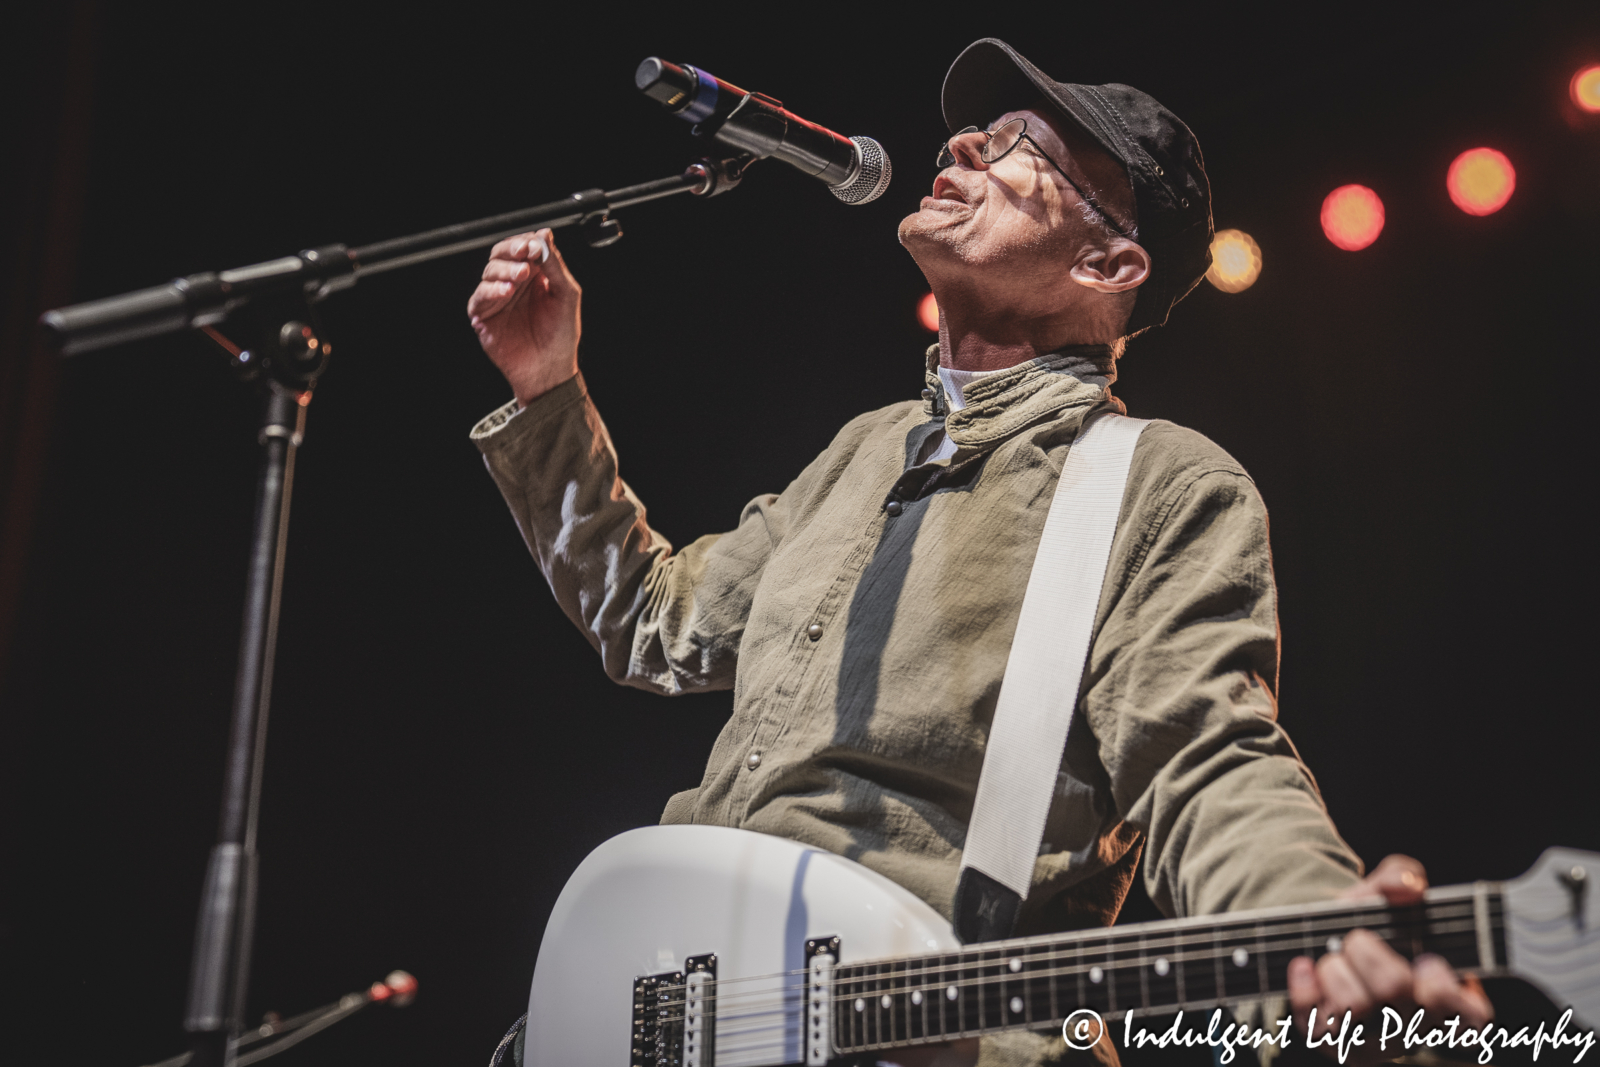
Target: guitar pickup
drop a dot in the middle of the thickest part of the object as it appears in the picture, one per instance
(821, 956)
(657, 1021)
(699, 1011)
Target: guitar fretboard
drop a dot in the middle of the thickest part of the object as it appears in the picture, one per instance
(1156, 968)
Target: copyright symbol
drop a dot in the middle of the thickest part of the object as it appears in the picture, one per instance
(1082, 1029)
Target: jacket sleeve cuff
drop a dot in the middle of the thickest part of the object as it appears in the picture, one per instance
(507, 425)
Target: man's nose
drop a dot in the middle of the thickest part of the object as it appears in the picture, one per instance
(968, 149)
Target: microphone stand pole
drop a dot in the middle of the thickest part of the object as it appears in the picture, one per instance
(219, 972)
(276, 300)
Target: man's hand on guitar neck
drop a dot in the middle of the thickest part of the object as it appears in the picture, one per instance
(1367, 974)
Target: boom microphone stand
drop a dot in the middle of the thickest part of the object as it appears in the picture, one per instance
(276, 302)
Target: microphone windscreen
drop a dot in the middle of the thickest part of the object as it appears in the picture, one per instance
(871, 179)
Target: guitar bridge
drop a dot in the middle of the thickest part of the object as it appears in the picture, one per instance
(674, 1016)
(657, 1021)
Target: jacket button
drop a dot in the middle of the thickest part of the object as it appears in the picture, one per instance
(927, 394)
(754, 761)
(814, 631)
(893, 508)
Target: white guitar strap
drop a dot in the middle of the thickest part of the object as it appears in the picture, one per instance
(1043, 673)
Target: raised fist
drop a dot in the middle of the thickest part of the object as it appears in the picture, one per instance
(526, 314)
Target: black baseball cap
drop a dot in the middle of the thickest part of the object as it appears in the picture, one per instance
(1159, 153)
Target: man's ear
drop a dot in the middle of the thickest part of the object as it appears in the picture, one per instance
(1120, 266)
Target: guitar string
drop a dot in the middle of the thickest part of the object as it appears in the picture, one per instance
(901, 1012)
(1438, 931)
(1270, 941)
(1279, 933)
(1434, 909)
(1127, 968)
(990, 981)
(938, 1009)
(906, 1018)
(903, 1023)
(1274, 936)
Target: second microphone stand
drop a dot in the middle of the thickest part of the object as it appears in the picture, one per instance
(275, 302)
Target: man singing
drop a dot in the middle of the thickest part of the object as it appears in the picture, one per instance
(864, 615)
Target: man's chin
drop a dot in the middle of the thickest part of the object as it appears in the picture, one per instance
(926, 227)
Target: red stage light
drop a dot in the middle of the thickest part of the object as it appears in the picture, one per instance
(1480, 181)
(928, 313)
(1586, 88)
(1352, 217)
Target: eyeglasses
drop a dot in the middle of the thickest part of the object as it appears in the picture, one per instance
(999, 143)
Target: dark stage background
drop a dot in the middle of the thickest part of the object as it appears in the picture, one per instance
(444, 746)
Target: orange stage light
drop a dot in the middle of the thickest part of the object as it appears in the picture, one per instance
(1480, 181)
(928, 313)
(1586, 88)
(1235, 261)
(1352, 217)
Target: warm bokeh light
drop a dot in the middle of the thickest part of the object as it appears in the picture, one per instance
(1480, 181)
(1235, 261)
(1586, 88)
(928, 313)
(1352, 217)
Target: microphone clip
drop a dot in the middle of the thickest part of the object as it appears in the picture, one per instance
(717, 176)
(599, 229)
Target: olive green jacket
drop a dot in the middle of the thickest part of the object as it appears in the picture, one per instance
(863, 618)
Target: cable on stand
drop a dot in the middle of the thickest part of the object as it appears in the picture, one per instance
(272, 305)
(276, 1035)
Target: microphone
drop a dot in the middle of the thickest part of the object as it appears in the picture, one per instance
(855, 168)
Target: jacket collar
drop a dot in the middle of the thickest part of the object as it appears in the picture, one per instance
(1069, 381)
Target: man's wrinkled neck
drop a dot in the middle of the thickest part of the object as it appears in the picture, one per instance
(998, 342)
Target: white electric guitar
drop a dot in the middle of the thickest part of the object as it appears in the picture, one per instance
(699, 946)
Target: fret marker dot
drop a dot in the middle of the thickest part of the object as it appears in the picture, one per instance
(1240, 957)
(861, 1005)
(950, 994)
(1016, 965)
(1162, 966)
(1335, 943)
(887, 1001)
(1095, 974)
(1016, 1005)
(916, 996)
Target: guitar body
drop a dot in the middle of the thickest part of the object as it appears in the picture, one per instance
(649, 900)
(701, 946)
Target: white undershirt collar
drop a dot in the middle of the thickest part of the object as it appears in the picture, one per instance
(939, 447)
(956, 382)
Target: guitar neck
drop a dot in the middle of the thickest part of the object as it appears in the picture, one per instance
(1155, 968)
